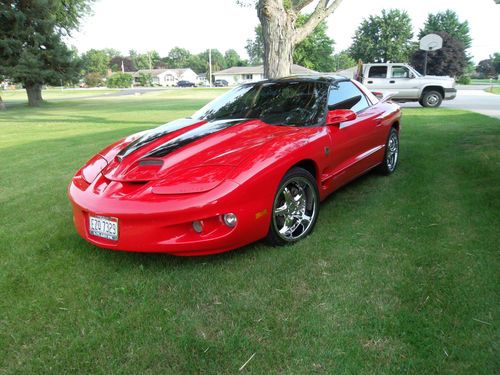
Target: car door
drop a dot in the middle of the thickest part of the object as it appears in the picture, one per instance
(377, 78)
(403, 81)
(352, 142)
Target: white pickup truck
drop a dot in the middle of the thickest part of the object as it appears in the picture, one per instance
(407, 84)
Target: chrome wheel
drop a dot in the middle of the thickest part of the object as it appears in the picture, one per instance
(391, 155)
(295, 208)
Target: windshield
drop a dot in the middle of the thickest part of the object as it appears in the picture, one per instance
(296, 103)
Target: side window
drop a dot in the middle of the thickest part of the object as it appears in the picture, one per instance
(377, 72)
(345, 95)
(400, 72)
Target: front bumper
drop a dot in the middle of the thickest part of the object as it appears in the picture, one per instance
(450, 94)
(163, 223)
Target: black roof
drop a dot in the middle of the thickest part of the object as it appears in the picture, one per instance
(327, 79)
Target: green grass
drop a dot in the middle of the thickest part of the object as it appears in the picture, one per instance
(484, 81)
(400, 275)
(493, 90)
(20, 96)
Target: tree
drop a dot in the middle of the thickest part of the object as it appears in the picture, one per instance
(120, 80)
(145, 79)
(314, 52)
(449, 60)
(232, 58)
(281, 33)
(32, 51)
(449, 23)
(116, 64)
(96, 61)
(496, 62)
(177, 58)
(485, 68)
(385, 38)
(343, 60)
(93, 79)
(255, 47)
(148, 60)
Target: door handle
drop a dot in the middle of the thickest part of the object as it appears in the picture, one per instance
(392, 81)
(369, 82)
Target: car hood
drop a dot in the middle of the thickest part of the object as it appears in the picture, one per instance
(188, 147)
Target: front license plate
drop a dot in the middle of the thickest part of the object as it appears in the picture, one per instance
(103, 226)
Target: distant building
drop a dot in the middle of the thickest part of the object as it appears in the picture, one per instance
(242, 74)
(167, 77)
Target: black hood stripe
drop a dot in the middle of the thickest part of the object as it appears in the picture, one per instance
(155, 134)
(192, 135)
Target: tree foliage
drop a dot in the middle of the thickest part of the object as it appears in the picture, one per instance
(449, 23)
(145, 79)
(342, 60)
(116, 64)
(385, 38)
(316, 50)
(120, 80)
(93, 79)
(32, 51)
(449, 60)
(489, 68)
(148, 60)
(96, 61)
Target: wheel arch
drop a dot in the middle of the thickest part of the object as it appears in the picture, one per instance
(439, 89)
(309, 165)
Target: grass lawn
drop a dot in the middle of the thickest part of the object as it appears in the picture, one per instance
(20, 96)
(484, 81)
(401, 274)
(493, 90)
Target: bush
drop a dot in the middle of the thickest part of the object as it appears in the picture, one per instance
(145, 79)
(93, 80)
(463, 80)
(120, 80)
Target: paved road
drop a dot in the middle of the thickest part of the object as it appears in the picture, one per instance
(472, 100)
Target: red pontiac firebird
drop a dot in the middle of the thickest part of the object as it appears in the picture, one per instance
(252, 164)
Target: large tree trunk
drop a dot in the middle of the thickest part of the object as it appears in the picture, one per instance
(277, 18)
(277, 29)
(34, 92)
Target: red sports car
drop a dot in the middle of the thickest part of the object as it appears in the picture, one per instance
(252, 164)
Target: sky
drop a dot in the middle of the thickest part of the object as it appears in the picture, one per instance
(199, 24)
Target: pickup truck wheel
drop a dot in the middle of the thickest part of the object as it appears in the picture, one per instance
(431, 99)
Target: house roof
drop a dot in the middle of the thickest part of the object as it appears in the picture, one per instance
(157, 72)
(236, 70)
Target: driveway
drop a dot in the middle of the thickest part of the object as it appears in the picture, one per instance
(471, 100)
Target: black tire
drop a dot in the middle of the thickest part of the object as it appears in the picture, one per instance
(431, 99)
(295, 208)
(391, 155)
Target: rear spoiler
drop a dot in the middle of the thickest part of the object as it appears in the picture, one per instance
(383, 97)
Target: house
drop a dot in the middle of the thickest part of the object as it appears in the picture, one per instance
(167, 77)
(242, 74)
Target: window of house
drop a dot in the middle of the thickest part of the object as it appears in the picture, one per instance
(378, 72)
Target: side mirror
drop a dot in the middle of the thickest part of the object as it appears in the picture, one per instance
(412, 75)
(378, 94)
(337, 116)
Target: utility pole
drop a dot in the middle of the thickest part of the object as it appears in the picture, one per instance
(210, 67)
(149, 58)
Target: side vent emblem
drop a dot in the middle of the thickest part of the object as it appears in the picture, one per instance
(327, 151)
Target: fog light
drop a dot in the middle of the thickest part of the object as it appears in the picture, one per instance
(198, 226)
(230, 220)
